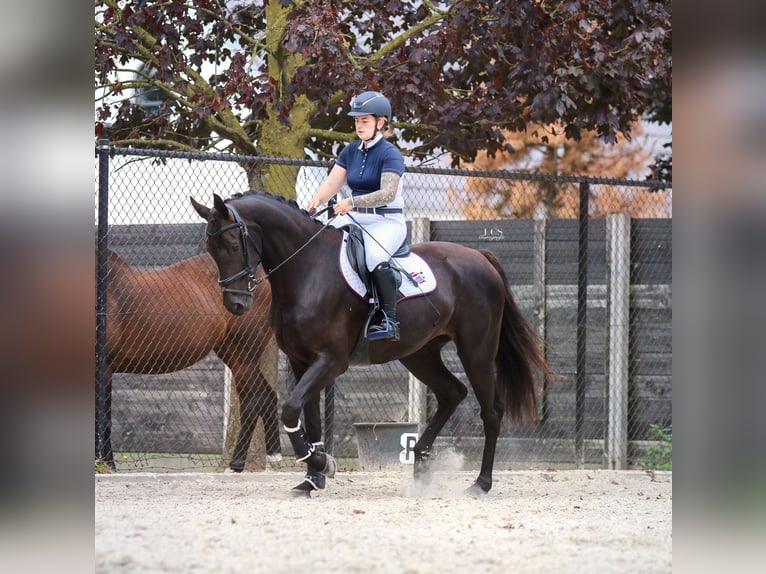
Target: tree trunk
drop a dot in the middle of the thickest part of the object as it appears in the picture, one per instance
(278, 139)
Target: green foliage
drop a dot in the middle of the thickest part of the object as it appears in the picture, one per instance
(100, 467)
(659, 456)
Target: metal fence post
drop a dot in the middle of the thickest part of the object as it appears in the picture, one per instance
(541, 303)
(103, 440)
(418, 393)
(582, 305)
(618, 334)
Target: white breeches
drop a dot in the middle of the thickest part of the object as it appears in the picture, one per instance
(388, 233)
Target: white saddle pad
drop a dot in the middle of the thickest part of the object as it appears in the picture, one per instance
(424, 280)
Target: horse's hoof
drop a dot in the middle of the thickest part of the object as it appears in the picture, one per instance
(330, 466)
(423, 478)
(422, 472)
(475, 491)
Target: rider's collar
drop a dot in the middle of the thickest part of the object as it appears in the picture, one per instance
(375, 140)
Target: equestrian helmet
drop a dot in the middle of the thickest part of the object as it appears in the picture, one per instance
(370, 104)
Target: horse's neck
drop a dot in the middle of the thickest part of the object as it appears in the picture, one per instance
(199, 270)
(294, 237)
(294, 253)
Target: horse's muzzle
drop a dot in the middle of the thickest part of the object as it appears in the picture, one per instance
(236, 304)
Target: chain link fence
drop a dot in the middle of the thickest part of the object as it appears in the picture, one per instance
(179, 379)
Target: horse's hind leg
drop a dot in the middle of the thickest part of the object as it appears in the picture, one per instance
(479, 368)
(428, 367)
(256, 399)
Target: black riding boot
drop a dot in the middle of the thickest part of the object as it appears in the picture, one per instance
(385, 283)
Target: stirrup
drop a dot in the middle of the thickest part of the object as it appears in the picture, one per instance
(386, 329)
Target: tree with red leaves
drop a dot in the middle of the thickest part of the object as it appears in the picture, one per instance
(275, 78)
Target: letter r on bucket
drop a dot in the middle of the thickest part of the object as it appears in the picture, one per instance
(408, 440)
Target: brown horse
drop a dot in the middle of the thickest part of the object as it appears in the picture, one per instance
(317, 321)
(164, 320)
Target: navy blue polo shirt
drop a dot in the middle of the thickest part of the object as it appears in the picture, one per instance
(364, 167)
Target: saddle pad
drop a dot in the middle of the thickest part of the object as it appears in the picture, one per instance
(418, 269)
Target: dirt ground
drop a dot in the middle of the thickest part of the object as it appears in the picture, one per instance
(368, 523)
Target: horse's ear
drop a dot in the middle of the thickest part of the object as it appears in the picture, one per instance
(220, 206)
(204, 212)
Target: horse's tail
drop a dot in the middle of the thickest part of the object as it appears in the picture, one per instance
(518, 353)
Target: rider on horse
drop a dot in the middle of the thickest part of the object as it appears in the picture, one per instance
(372, 167)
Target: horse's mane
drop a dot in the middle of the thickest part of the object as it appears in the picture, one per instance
(270, 196)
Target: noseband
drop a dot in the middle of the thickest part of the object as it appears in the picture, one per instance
(246, 271)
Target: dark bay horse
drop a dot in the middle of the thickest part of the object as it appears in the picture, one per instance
(166, 319)
(317, 321)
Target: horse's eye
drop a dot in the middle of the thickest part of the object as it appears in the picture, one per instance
(234, 247)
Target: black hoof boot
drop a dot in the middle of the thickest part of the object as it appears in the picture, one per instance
(313, 481)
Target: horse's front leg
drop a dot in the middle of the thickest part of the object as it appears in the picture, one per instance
(306, 441)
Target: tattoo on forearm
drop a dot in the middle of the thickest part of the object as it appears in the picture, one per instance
(389, 183)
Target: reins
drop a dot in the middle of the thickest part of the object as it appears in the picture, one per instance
(309, 240)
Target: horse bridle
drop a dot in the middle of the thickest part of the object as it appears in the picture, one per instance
(246, 270)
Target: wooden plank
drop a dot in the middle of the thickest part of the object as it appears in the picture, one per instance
(647, 412)
(652, 387)
(515, 450)
(147, 245)
(173, 412)
(651, 251)
(511, 240)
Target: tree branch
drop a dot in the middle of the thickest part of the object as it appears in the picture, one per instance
(224, 121)
(435, 16)
(146, 143)
(331, 135)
